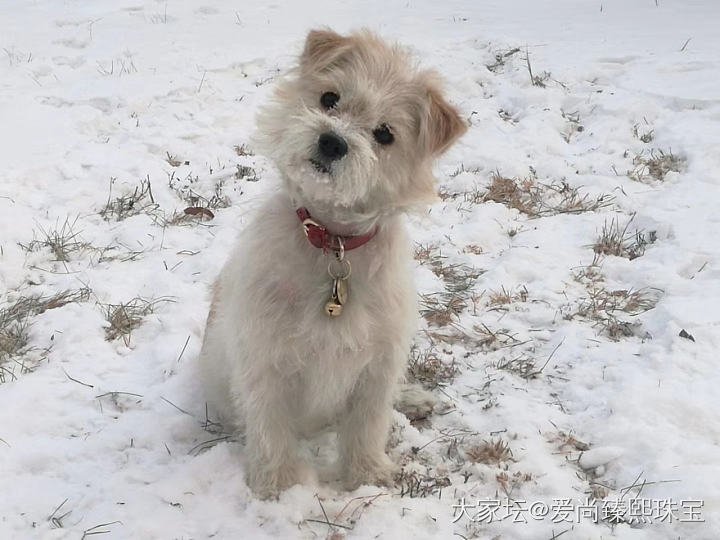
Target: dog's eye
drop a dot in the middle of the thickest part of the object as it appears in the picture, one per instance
(383, 135)
(329, 100)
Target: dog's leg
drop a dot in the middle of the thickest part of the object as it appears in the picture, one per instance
(363, 430)
(272, 464)
(414, 401)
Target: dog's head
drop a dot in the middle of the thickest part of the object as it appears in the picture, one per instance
(355, 127)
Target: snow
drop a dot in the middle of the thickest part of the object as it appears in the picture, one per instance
(108, 436)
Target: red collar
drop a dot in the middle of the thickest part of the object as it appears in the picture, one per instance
(320, 237)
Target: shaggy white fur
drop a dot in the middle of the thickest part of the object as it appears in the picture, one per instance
(274, 363)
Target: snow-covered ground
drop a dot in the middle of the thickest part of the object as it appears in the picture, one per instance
(563, 374)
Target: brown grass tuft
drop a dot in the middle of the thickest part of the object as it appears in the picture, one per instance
(15, 321)
(125, 317)
(617, 241)
(608, 308)
(490, 452)
(504, 297)
(458, 278)
(173, 161)
(441, 309)
(655, 165)
(426, 368)
(509, 483)
(415, 484)
(535, 199)
(567, 442)
(493, 339)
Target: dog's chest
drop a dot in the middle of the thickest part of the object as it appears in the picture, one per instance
(328, 380)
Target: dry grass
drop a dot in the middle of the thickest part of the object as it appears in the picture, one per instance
(474, 249)
(566, 442)
(506, 116)
(458, 278)
(472, 196)
(198, 208)
(462, 169)
(641, 134)
(62, 241)
(247, 173)
(657, 164)
(504, 297)
(13, 341)
(493, 340)
(415, 484)
(522, 365)
(441, 309)
(536, 80)
(536, 199)
(425, 253)
(174, 161)
(139, 201)
(500, 58)
(609, 309)
(15, 321)
(125, 317)
(509, 483)
(618, 241)
(574, 125)
(490, 452)
(243, 150)
(426, 368)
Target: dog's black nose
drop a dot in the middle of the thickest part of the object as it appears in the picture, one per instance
(332, 146)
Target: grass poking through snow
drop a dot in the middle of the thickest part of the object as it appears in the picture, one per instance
(609, 309)
(417, 484)
(426, 367)
(657, 164)
(504, 297)
(490, 452)
(62, 241)
(139, 201)
(15, 322)
(641, 134)
(620, 242)
(197, 207)
(441, 309)
(536, 199)
(125, 317)
(458, 278)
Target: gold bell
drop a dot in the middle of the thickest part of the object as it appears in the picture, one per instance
(333, 308)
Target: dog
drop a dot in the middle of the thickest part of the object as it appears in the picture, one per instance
(313, 315)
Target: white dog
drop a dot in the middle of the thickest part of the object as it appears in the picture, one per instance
(313, 314)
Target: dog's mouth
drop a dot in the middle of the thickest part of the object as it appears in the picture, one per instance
(320, 167)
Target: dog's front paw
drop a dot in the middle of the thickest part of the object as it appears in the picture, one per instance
(269, 483)
(415, 402)
(372, 470)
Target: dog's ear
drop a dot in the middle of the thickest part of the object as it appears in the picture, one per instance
(322, 48)
(442, 124)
